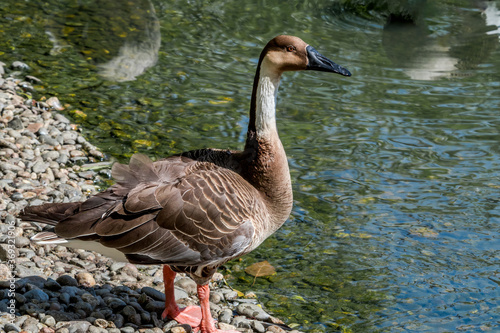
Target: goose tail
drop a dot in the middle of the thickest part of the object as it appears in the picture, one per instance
(51, 213)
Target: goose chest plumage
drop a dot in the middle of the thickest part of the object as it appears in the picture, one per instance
(197, 210)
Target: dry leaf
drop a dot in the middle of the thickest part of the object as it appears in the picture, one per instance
(259, 269)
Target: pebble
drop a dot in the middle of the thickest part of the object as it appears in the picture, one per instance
(188, 285)
(153, 293)
(11, 327)
(252, 311)
(63, 290)
(19, 65)
(66, 280)
(49, 321)
(85, 279)
(36, 295)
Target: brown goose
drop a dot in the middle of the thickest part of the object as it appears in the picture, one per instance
(195, 211)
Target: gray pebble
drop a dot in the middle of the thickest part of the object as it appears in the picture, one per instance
(257, 326)
(33, 79)
(11, 327)
(50, 155)
(93, 329)
(216, 297)
(226, 316)
(60, 118)
(49, 321)
(74, 326)
(19, 65)
(241, 322)
(180, 293)
(229, 294)
(252, 311)
(16, 123)
(116, 266)
(6, 166)
(48, 140)
(39, 167)
(188, 285)
(22, 241)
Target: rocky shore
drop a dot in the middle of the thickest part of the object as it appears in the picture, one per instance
(44, 158)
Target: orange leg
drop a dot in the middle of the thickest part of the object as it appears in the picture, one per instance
(191, 315)
(207, 322)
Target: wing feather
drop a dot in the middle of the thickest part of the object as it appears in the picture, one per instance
(175, 211)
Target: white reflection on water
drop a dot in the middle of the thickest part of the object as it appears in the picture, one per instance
(426, 52)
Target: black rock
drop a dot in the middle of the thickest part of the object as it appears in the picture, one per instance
(154, 294)
(155, 306)
(36, 295)
(66, 280)
(114, 303)
(64, 298)
(51, 284)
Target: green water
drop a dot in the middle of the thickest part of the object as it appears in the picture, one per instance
(396, 170)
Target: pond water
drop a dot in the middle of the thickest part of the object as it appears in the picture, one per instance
(396, 170)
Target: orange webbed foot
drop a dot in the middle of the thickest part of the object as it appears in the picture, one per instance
(190, 315)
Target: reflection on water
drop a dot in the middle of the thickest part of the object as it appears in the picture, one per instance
(492, 17)
(121, 37)
(425, 54)
(136, 54)
(396, 219)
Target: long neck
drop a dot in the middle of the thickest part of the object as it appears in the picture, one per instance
(266, 165)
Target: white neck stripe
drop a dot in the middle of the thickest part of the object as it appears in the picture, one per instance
(267, 90)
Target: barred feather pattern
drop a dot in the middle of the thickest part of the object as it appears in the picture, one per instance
(191, 214)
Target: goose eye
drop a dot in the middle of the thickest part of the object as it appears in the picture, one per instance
(290, 48)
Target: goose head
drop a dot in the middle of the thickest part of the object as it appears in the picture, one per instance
(282, 53)
(290, 53)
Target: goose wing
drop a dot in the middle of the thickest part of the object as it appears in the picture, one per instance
(175, 211)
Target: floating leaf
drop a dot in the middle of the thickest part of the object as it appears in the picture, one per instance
(259, 269)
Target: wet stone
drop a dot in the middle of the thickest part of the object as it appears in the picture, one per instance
(66, 280)
(115, 303)
(252, 311)
(36, 295)
(153, 293)
(51, 284)
(19, 65)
